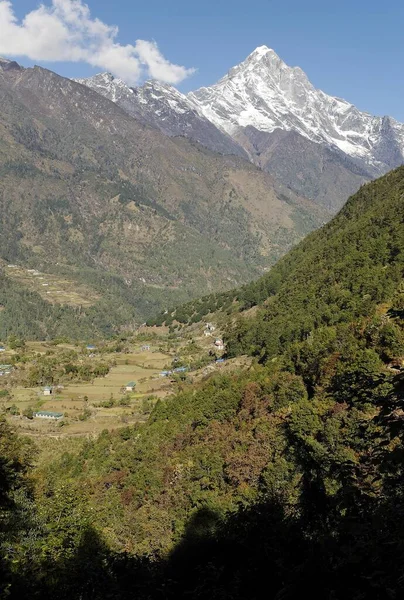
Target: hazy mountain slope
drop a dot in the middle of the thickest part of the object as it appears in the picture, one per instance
(164, 107)
(335, 274)
(325, 174)
(86, 188)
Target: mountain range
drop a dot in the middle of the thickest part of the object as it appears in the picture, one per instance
(97, 196)
(151, 198)
(320, 146)
(273, 471)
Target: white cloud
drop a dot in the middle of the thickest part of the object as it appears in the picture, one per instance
(66, 31)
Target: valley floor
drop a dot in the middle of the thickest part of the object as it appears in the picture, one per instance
(89, 407)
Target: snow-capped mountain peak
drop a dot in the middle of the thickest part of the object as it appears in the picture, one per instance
(154, 91)
(261, 51)
(107, 85)
(267, 94)
(262, 103)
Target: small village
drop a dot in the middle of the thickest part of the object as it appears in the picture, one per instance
(130, 382)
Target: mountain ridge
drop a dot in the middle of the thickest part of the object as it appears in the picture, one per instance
(165, 108)
(339, 146)
(271, 94)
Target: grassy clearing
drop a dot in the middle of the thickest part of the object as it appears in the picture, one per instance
(85, 400)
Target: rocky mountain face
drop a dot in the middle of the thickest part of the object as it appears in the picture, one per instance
(265, 93)
(165, 108)
(318, 145)
(327, 175)
(148, 220)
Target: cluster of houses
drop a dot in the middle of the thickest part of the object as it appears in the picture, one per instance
(177, 370)
(55, 416)
(208, 331)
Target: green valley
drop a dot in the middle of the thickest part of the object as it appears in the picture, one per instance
(279, 469)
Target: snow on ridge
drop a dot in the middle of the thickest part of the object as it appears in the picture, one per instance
(107, 85)
(115, 89)
(267, 94)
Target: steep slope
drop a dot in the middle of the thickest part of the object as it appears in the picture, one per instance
(89, 192)
(345, 269)
(335, 274)
(325, 174)
(270, 478)
(165, 108)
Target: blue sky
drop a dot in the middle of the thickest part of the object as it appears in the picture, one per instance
(354, 49)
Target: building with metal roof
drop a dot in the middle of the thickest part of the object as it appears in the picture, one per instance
(47, 414)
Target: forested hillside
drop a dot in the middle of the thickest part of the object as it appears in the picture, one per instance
(333, 275)
(24, 313)
(286, 477)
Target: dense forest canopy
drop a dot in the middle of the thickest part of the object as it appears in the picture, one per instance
(337, 274)
(286, 477)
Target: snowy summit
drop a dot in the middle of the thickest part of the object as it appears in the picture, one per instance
(265, 93)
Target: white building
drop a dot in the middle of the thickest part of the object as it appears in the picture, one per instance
(46, 414)
(219, 344)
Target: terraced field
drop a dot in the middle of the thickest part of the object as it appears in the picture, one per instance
(102, 402)
(52, 288)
